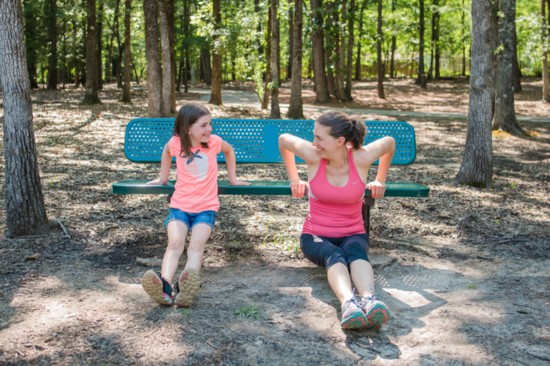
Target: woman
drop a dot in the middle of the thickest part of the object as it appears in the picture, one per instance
(333, 235)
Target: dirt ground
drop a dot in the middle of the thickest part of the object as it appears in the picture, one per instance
(465, 271)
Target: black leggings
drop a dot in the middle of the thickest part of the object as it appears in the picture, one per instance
(326, 252)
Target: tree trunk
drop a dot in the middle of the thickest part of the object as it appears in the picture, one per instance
(545, 10)
(108, 70)
(338, 54)
(267, 76)
(167, 70)
(317, 38)
(477, 164)
(379, 63)
(349, 56)
(206, 65)
(187, 34)
(25, 210)
(421, 79)
(291, 42)
(275, 56)
(154, 81)
(505, 115)
(31, 39)
(52, 35)
(216, 88)
(435, 39)
(99, 37)
(91, 96)
(516, 74)
(393, 44)
(295, 109)
(359, 42)
(126, 98)
(463, 43)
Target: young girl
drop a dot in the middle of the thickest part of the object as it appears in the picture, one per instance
(333, 235)
(194, 204)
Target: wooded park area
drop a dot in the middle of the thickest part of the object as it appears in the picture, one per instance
(464, 271)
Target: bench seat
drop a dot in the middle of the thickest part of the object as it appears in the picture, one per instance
(271, 188)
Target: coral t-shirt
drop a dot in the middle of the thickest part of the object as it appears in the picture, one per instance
(196, 186)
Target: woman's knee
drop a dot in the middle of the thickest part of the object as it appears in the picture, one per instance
(337, 256)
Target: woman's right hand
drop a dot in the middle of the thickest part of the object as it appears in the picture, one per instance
(157, 182)
(298, 188)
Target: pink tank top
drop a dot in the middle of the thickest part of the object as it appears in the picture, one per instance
(335, 211)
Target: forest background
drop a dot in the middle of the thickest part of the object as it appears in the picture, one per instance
(464, 271)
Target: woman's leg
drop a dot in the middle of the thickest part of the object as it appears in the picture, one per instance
(362, 276)
(340, 282)
(356, 248)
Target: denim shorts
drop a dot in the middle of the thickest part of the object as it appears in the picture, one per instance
(326, 252)
(191, 219)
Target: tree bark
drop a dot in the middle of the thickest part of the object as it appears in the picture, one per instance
(393, 44)
(31, 40)
(216, 88)
(358, 54)
(52, 35)
(108, 70)
(421, 79)
(99, 37)
(168, 102)
(339, 47)
(275, 56)
(25, 210)
(291, 42)
(91, 96)
(505, 115)
(477, 164)
(187, 34)
(295, 109)
(545, 72)
(267, 75)
(379, 63)
(126, 97)
(317, 37)
(515, 64)
(349, 56)
(154, 81)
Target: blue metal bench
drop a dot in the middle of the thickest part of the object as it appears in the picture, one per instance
(255, 141)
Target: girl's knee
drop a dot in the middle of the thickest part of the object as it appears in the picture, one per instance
(176, 243)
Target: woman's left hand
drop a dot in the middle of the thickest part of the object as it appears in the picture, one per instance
(377, 189)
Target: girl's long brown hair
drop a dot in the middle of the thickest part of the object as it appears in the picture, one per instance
(187, 115)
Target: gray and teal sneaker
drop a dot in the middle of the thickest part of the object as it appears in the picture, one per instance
(376, 312)
(157, 287)
(353, 316)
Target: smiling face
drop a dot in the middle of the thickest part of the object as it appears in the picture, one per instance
(324, 143)
(199, 132)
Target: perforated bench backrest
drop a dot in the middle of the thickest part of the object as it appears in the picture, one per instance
(254, 140)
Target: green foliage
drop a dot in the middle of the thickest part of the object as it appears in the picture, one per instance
(248, 311)
(242, 37)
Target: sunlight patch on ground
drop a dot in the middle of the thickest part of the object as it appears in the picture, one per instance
(410, 298)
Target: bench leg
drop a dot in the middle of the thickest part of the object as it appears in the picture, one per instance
(368, 202)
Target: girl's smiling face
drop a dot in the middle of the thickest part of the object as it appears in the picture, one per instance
(199, 132)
